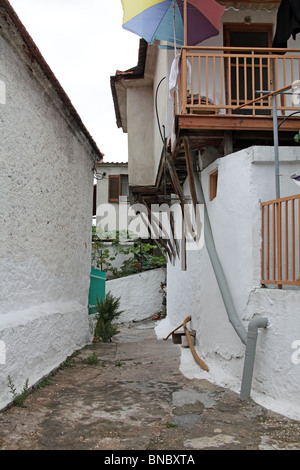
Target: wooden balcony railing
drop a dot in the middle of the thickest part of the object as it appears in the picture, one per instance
(220, 80)
(280, 241)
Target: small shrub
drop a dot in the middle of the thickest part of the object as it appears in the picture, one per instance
(18, 398)
(92, 359)
(105, 331)
(108, 311)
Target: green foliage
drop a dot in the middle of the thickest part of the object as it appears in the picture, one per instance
(69, 362)
(45, 382)
(105, 331)
(92, 359)
(297, 137)
(108, 311)
(170, 424)
(140, 255)
(18, 398)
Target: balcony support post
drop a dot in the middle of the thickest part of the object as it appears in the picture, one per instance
(276, 145)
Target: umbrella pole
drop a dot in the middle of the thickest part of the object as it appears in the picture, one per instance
(185, 22)
(174, 26)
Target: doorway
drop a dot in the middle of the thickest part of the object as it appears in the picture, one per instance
(246, 75)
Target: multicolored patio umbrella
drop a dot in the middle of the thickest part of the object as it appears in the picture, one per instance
(182, 22)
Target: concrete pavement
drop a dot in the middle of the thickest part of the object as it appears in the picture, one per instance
(136, 398)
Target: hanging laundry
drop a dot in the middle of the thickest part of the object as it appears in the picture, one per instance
(175, 74)
(288, 22)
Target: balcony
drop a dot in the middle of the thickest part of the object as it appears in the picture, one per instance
(218, 94)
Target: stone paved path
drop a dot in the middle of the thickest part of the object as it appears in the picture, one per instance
(135, 398)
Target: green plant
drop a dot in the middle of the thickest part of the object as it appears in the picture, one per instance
(108, 311)
(139, 255)
(297, 137)
(18, 398)
(69, 362)
(170, 424)
(92, 359)
(45, 382)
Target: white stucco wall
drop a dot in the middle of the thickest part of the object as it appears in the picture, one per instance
(141, 294)
(46, 193)
(140, 122)
(244, 179)
(165, 107)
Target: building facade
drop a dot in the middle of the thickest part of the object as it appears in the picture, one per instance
(229, 123)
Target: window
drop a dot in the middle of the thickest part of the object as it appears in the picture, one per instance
(213, 184)
(118, 186)
(124, 185)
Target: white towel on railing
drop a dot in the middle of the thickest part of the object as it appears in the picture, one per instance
(174, 75)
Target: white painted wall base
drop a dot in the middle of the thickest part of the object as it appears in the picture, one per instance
(39, 339)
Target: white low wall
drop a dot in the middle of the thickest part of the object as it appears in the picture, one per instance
(37, 340)
(140, 294)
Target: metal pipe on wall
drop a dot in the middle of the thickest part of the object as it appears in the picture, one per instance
(248, 338)
(216, 264)
(257, 322)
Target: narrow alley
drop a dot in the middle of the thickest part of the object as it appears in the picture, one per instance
(130, 395)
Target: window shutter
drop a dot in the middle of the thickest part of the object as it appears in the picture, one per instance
(114, 188)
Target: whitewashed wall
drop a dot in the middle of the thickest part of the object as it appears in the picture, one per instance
(141, 294)
(244, 179)
(46, 193)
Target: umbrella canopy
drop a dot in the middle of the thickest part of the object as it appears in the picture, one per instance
(165, 20)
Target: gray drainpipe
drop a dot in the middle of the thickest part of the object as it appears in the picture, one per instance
(249, 339)
(257, 322)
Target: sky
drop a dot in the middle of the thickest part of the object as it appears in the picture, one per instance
(84, 44)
